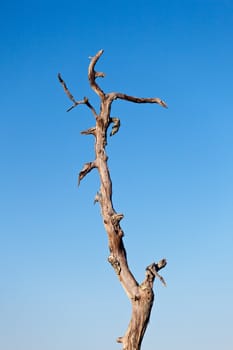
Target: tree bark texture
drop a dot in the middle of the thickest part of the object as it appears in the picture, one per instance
(140, 295)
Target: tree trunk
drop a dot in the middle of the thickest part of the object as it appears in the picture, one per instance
(140, 295)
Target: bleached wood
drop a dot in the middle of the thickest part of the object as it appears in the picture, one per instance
(140, 295)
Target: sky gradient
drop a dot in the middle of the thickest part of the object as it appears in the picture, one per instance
(171, 169)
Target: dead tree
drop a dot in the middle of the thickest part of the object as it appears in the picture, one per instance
(140, 295)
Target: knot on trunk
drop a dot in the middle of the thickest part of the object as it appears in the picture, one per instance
(115, 264)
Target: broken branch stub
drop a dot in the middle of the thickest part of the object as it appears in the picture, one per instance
(140, 295)
(116, 125)
(85, 170)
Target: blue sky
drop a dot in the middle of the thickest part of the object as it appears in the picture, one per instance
(172, 172)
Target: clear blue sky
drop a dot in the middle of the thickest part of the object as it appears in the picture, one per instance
(172, 172)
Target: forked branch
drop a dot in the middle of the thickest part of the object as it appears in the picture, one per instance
(75, 102)
(140, 295)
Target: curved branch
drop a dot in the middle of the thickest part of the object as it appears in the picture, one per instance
(125, 97)
(116, 125)
(92, 74)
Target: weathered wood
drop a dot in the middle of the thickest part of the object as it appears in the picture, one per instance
(140, 295)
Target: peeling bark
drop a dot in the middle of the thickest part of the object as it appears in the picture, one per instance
(140, 295)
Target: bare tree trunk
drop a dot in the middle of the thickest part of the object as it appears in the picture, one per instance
(140, 295)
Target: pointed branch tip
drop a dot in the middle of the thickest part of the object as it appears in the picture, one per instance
(89, 131)
(163, 104)
(67, 91)
(85, 170)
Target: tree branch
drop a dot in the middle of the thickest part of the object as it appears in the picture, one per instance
(89, 131)
(125, 97)
(92, 75)
(85, 170)
(116, 125)
(141, 296)
(71, 97)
